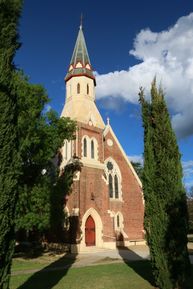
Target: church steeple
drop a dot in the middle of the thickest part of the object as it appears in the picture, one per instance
(80, 87)
(80, 62)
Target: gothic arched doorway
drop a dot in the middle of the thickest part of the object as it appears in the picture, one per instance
(90, 232)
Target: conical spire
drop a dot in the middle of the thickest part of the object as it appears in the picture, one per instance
(80, 87)
(80, 63)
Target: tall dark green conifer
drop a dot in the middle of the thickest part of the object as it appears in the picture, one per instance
(9, 161)
(166, 219)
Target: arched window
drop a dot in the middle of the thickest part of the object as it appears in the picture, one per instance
(66, 150)
(78, 88)
(92, 149)
(113, 174)
(87, 89)
(85, 147)
(116, 186)
(118, 221)
(110, 186)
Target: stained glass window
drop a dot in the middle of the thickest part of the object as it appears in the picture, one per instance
(110, 186)
(92, 149)
(85, 147)
(116, 185)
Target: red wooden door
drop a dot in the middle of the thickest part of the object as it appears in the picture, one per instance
(90, 232)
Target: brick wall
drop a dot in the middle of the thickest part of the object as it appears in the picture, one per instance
(92, 191)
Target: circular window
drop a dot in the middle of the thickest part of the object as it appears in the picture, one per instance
(109, 166)
(109, 142)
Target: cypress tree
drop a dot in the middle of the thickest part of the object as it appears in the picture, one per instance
(166, 218)
(9, 160)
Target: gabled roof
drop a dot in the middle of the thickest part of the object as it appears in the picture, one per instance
(109, 129)
(80, 61)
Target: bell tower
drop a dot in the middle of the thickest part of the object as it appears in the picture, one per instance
(80, 86)
(105, 207)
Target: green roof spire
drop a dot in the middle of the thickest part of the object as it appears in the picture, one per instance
(80, 61)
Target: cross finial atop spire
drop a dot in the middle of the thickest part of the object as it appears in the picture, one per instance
(81, 20)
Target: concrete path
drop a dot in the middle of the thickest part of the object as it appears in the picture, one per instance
(99, 256)
(95, 256)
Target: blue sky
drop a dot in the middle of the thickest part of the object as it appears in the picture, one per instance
(128, 43)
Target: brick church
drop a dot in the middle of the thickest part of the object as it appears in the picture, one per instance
(106, 199)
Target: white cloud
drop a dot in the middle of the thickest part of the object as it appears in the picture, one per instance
(188, 168)
(188, 173)
(168, 55)
(136, 159)
(189, 185)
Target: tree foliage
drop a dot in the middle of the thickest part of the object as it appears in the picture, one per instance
(166, 218)
(190, 209)
(138, 168)
(40, 137)
(29, 141)
(62, 190)
(9, 158)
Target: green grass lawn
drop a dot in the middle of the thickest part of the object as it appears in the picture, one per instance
(134, 275)
(19, 264)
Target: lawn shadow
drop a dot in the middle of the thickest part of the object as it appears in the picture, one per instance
(140, 265)
(143, 267)
(50, 275)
